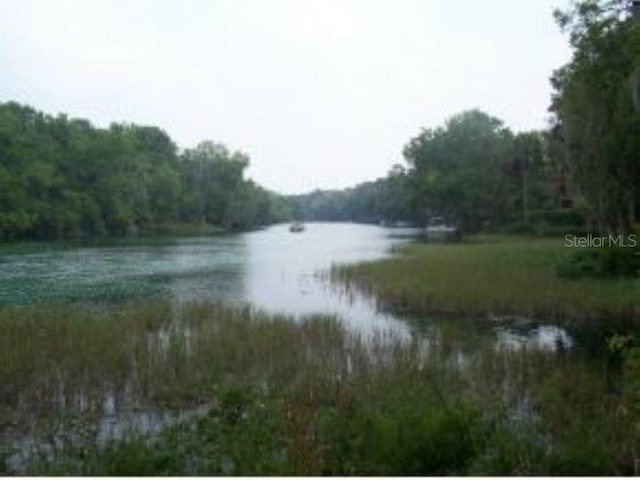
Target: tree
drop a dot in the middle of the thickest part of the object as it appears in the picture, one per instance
(530, 174)
(63, 177)
(459, 169)
(594, 110)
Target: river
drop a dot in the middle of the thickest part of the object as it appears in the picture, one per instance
(272, 269)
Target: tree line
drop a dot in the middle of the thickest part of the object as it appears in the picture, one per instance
(62, 177)
(477, 173)
(472, 170)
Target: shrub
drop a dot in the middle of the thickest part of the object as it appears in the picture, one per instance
(605, 262)
(559, 218)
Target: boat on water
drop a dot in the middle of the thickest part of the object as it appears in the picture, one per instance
(296, 227)
(438, 231)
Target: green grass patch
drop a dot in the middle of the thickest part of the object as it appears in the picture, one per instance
(490, 274)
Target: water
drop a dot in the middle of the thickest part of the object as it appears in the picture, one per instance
(273, 269)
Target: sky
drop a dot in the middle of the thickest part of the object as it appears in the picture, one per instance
(319, 93)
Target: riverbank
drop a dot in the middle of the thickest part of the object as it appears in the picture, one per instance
(162, 234)
(490, 275)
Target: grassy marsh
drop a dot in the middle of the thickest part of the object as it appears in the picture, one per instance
(490, 274)
(296, 397)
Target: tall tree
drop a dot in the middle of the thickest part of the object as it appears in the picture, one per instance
(459, 169)
(594, 109)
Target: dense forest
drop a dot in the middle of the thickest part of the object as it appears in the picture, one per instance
(385, 199)
(583, 171)
(62, 177)
(472, 170)
(596, 107)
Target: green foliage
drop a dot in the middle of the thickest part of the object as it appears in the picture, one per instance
(403, 435)
(472, 170)
(596, 122)
(5, 454)
(273, 396)
(242, 436)
(603, 262)
(478, 174)
(550, 223)
(475, 172)
(388, 199)
(560, 218)
(492, 274)
(64, 178)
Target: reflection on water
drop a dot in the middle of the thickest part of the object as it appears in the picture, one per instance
(549, 337)
(285, 272)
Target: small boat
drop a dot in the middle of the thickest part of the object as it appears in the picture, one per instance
(296, 227)
(438, 231)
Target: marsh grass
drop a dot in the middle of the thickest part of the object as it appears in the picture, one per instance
(58, 359)
(490, 274)
(295, 397)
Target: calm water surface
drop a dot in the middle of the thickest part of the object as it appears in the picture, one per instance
(273, 269)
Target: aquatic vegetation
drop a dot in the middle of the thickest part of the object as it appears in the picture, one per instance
(259, 394)
(490, 274)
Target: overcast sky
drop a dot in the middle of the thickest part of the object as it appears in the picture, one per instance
(319, 93)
